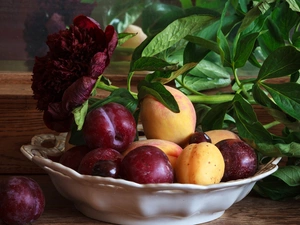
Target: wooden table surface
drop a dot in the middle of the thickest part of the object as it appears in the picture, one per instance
(19, 121)
(251, 210)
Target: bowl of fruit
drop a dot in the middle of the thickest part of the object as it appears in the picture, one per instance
(179, 177)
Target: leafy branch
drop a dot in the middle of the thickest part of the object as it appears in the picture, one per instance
(201, 49)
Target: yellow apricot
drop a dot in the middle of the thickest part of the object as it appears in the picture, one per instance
(201, 163)
(219, 135)
(159, 122)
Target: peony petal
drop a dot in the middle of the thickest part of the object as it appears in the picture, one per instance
(77, 93)
(85, 22)
(112, 39)
(57, 119)
(98, 64)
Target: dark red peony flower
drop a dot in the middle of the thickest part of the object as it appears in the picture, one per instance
(64, 78)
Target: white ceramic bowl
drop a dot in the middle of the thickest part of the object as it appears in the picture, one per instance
(123, 202)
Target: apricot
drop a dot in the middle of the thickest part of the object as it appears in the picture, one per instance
(159, 122)
(221, 134)
(201, 163)
(171, 149)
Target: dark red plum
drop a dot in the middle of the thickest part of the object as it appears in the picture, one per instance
(90, 159)
(72, 157)
(147, 164)
(109, 126)
(21, 200)
(107, 168)
(240, 159)
(199, 137)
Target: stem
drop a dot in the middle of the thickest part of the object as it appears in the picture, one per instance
(112, 88)
(270, 125)
(238, 82)
(129, 78)
(187, 88)
(236, 78)
(211, 99)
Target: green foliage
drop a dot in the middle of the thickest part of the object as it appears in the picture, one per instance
(207, 46)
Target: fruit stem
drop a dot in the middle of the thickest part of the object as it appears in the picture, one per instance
(187, 88)
(270, 125)
(111, 88)
(211, 99)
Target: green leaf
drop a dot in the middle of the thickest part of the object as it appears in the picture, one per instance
(158, 91)
(283, 22)
(186, 3)
(201, 111)
(279, 149)
(289, 122)
(206, 75)
(151, 64)
(282, 62)
(296, 39)
(289, 174)
(194, 53)
(161, 15)
(121, 96)
(166, 76)
(203, 42)
(176, 31)
(79, 114)
(294, 5)
(87, 1)
(262, 98)
(214, 119)
(286, 96)
(272, 39)
(276, 189)
(137, 53)
(173, 75)
(254, 13)
(123, 13)
(243, 49)
(76, 137)
(123, 37)
(225, 52)
(215, 5)
(249, 128)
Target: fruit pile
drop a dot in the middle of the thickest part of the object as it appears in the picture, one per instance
(172, 151)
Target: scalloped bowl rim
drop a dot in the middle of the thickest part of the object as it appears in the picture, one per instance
(48, 164)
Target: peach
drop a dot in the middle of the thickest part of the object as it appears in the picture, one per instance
(137, 39)
(171, 149)
(221, 134)
(159, 122)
